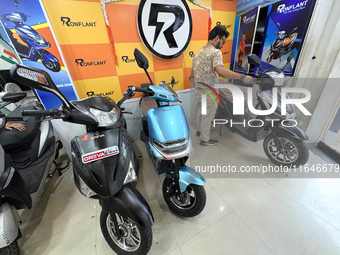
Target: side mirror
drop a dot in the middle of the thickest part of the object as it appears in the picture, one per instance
(13, 97)
(141, 60)
(172, 81)
(37, 79)
(2, 120)
(254, 60)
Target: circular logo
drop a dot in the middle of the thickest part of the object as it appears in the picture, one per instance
(165, 28)
(85, 137)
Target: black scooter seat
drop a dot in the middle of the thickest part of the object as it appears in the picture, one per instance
(12, 140)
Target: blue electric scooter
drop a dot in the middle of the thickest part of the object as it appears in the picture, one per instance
(36, 44)
(167, 139)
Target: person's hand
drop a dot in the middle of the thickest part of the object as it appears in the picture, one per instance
(248, 80)
(18, 126)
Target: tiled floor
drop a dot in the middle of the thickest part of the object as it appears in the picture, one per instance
(252, 216)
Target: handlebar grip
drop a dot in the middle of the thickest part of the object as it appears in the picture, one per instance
(51, 112)
(139, 89)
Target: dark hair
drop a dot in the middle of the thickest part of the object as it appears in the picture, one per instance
(218, 30)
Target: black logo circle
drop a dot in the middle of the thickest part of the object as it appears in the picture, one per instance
(164, 28)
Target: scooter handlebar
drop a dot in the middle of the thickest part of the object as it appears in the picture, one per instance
(52, 113)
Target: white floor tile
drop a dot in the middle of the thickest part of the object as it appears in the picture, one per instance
(185, 228)
(79, 239)
(236, 191)
(286, 227)
(229, 235)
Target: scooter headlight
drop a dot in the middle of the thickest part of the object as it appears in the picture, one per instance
(279, 78)
(131, 175)
(84, 189)
(105, 119)
(172, 146)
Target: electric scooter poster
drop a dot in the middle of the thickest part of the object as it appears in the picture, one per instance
(286, 27)
(245, 40)
(31, 36)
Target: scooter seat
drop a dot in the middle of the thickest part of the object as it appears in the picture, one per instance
(12, 140)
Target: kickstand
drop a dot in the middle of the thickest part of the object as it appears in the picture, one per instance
(58, 168)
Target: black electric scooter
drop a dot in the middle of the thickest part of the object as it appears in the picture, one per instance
(283, 144)
(25, 168)
(104, 164)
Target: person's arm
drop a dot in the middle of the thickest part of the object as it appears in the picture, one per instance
(228, 74)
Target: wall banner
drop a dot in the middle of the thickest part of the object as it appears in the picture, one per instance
(26, 26)
(245, 40)
(286, 28)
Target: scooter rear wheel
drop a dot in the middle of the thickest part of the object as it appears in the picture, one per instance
(290, 152)
(134, 240)
(12, 249)
(193, 202)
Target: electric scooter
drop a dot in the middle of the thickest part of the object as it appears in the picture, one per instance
(168, 143)
(25, 168)
(284, 144)
(105, 166)
(35, 43)
(282, 45)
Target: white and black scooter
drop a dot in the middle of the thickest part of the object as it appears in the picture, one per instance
(283, 144)
(25, 164)
(105, 166)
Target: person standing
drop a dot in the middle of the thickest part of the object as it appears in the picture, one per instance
(207, 66)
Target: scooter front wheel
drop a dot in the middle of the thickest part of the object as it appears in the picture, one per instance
(53, 66)
(12, 249)
(134, 239)
(289, 152)
(189, 203)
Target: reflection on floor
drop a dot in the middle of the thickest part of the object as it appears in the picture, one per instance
(277, 215)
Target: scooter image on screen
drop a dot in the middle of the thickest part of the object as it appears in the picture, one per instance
(26, 158)
(284, 144)
(282, 45)
(168, 143)
(105, 166)
(36, 45)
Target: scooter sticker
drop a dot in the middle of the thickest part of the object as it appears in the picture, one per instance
(100, 154)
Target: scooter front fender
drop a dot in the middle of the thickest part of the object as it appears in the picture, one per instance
(293, 131)
(187, 176)
(130, 203)
(8, 225)
(47, 56)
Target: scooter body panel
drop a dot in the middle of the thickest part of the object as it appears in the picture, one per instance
(127, 202)
(101, 159)
(8, 224)
(167, 123)
(187, 176)
(293, 131)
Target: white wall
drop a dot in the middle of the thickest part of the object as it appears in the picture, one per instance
(318, 62)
